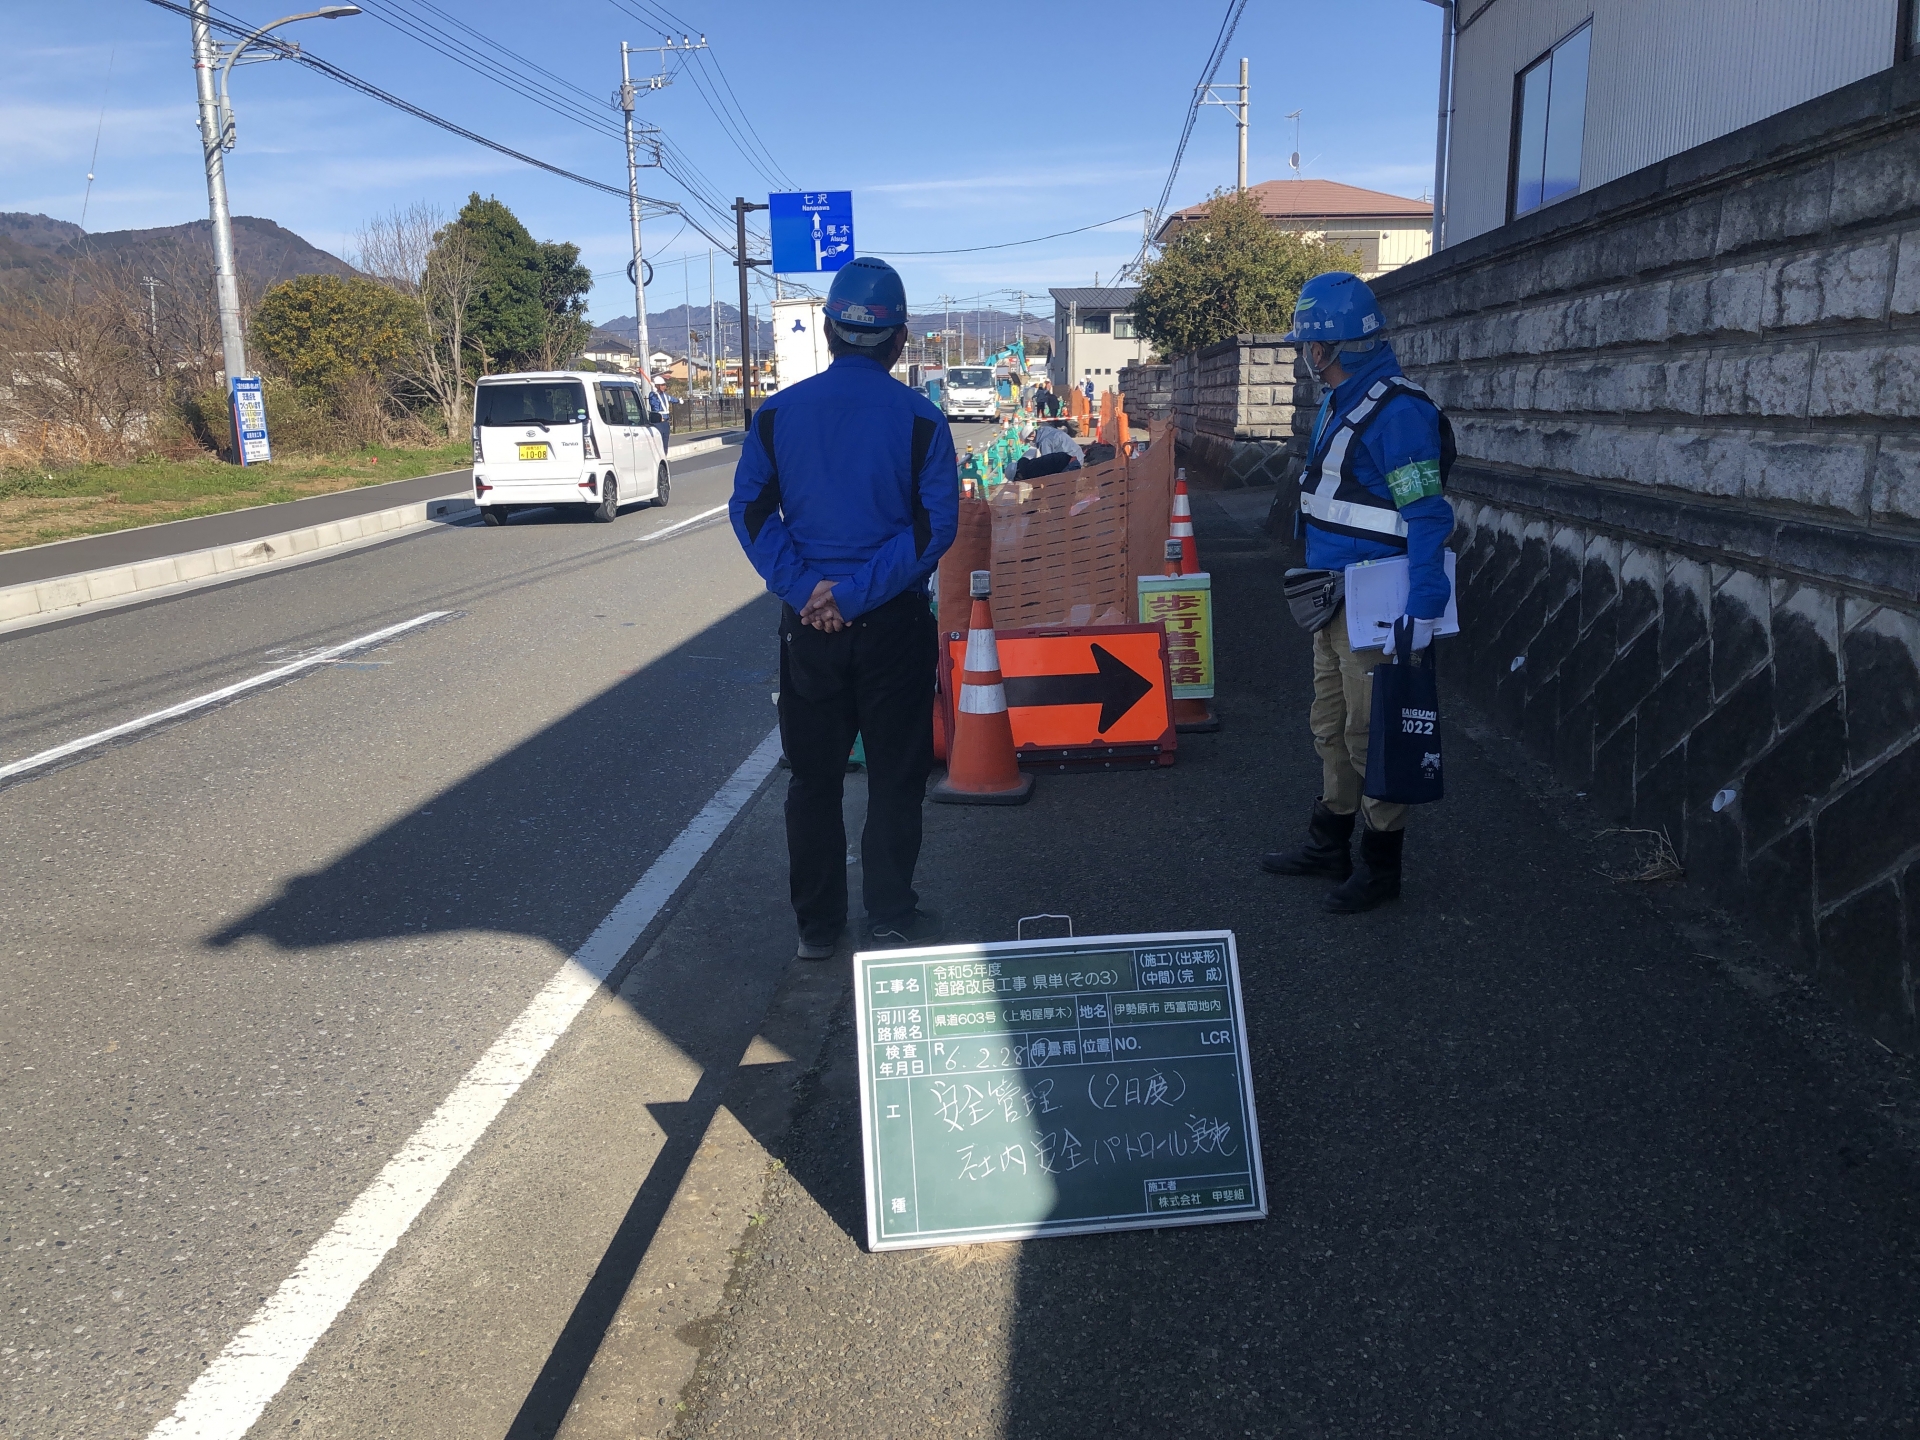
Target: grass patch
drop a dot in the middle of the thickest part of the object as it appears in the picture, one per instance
(58, 503)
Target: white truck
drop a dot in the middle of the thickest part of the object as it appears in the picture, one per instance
(799, 340)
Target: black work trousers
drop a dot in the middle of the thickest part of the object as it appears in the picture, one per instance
(874, 679)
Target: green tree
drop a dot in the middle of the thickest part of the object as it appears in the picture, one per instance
(564, 283)
(329, 333)
(1227, 272)
(506, 320)
(528, 309)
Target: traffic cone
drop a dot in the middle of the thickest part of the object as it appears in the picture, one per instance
(1181, 526)
(1190, 716)
(981, 767)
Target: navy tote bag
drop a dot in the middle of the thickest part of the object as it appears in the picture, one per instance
(1403, 742)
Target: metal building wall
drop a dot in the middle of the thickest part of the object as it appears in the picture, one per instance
(1665, 75)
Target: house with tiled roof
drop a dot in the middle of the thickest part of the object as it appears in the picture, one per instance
(1385, 231)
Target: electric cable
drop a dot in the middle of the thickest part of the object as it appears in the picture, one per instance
(1009, 244)
(1229, 23)
(240, 30)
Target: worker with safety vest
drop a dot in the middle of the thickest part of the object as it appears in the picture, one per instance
(845, 498)
(1371, 488)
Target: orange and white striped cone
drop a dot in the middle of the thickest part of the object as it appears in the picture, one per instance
(982, 768)
(1181, 527)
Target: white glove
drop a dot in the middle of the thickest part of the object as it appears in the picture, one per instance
(1423, 631)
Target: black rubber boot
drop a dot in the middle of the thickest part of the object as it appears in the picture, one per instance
(1328, 851)
(1378, 877)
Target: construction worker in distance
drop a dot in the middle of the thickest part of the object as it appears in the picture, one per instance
(845, 498)
(1371, 489)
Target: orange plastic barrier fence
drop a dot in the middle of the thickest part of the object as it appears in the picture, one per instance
(1064, 549)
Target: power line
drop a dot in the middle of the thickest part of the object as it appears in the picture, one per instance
(1229, 23)
(1010, 244)
(240, 29)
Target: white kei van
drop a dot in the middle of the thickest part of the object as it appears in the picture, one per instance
(564, 438)
(970, 392)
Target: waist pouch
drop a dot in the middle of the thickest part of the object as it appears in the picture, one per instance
(1313, 596)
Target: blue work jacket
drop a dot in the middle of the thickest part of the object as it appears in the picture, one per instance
(1397, 457)
(848, 476)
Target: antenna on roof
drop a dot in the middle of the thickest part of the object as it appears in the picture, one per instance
(1294, 159)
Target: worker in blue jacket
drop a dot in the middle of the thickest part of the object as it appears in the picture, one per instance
(1371, 488)
(845, 498)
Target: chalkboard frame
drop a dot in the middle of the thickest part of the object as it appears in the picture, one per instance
(864, 1025)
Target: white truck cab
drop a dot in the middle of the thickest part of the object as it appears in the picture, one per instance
(565, 437)
(970, 392)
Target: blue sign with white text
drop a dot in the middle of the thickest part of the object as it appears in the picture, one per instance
(812, 230)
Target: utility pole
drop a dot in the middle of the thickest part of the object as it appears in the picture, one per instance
(1238, 105)
(713, 368)
(153, 318)
(233, 346)
(650, 137)
(741, 207)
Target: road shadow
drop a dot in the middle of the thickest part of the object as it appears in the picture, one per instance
(542, 842)
(1535, 1165)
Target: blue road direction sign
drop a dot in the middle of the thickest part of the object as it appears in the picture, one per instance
(812, 230)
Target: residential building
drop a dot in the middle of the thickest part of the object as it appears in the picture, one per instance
(607, 353)
(1552, 97)
(1385, 231)
(1094, 335)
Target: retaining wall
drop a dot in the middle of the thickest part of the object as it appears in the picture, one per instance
(1688, 411)
(1243, 407)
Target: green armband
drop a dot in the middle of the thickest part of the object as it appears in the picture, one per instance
(1414, 482)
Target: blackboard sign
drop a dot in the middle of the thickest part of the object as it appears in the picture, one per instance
(1054, 1087)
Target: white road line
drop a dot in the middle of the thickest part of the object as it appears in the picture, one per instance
(199, 702)
(686, 524)
(232, 1392)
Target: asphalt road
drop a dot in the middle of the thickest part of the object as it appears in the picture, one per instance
(251, 951)
(1546, 1154)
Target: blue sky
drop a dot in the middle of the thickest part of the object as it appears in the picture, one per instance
(954, 125)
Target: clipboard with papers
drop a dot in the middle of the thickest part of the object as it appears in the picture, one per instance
(1377, 596)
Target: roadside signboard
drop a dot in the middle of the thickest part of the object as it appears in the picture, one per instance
(1078, 695)
(1054, 1087)
(812, 230)
(1184, 604)
(250, 421)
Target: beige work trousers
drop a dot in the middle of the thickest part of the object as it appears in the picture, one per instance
(1342, 704)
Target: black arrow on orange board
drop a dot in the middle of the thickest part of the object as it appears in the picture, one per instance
(1116, 687)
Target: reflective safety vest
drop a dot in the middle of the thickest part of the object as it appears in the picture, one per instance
(1332, 498)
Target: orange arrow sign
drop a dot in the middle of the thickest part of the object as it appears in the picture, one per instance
(1094, 687)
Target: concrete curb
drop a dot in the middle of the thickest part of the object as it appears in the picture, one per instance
(118, 582)
(93, 587)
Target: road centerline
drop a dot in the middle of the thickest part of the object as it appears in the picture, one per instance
(231, 1393)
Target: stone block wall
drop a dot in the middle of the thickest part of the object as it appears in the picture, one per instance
(1243, 408)
(1147, 393)
(1688, 411)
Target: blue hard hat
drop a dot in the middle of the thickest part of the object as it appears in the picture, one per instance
(867, 295)
(1335, 307)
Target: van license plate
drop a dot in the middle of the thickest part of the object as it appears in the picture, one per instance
(533, 452)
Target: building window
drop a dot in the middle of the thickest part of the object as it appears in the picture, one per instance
(1907, 46)
(1093, 324)
(1123, 327)
(1549, 123)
